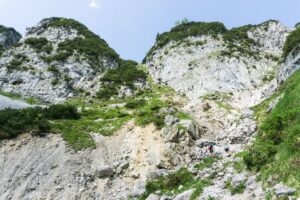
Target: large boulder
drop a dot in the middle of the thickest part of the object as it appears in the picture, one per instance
(104, 171)
(193, 129)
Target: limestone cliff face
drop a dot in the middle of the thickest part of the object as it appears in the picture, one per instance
(205, 65)
(8, 37)
(222, 75)
(53, 61)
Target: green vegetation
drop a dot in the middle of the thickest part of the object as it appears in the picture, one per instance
(292, 41)
(239, 166)
(170, 183)
(91, 45)
(39, 121)
(236, 39)
(125, 75)
(95, 118)
(275, 151)
(182, 115)
(184, 30)
(268, 77)
(16, 62)
(135, 103)
(105, 117)
(238, 42)
(183, 21)
(150, 113)
(206, 163)
(10, 95)
(1, 49)
(237, 189)
(220, 99)
(14, 122)
(239, 34)
(39, 44)
(53, 69)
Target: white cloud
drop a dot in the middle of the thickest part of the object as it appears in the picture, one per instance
(94, 4)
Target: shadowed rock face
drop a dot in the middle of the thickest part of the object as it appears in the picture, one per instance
(8, 36)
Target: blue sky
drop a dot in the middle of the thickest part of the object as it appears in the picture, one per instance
(130, 26)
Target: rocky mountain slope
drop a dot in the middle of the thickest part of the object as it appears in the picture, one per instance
(129, 131)
(58, 58)
(233, 62)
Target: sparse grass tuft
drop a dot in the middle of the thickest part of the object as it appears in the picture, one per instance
(170, 183)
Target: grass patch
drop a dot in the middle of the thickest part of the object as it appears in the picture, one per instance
(206, 163)
(16, 63)
(92, 46)
(292, 41)
(236, 39)
(10, 95)
(237, 189)
(125, 75)
(275, 151)
(170, 183)
(185, 30)
(14, 122)
(39, 44)
(183, 116)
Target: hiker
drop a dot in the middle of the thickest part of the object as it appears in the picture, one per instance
(211, 148)
(226, 148)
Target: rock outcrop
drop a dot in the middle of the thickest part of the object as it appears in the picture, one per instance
(57, 59)
(206, 65)
(8, 37)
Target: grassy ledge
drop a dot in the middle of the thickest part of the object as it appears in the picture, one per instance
(275, 152)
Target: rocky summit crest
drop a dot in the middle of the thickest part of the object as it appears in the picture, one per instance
(57, 59)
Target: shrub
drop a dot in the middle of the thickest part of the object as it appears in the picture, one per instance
(135, 103)
(61, 111)
(39, 44)
(53, 69)
(92, 46)
(14, 122)
(237, 189)
(107, 92)
(16, 62)
(171, 182)
(259, 155)
(236, 39)
(184, 30)
(125, 75)
(291, 42)
(60, 57)
(1, 49)
(276, 148)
